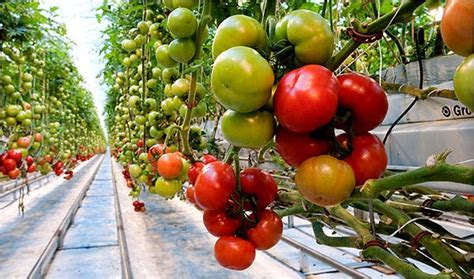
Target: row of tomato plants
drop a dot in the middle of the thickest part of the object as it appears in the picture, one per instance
(271, 84)
(48, 120)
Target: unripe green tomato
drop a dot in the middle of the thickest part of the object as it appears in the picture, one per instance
(27, 77)
(3, 114)
(185, 3)
(27, 86)
(140, 120)
(182, 23)
(241, 79)
(182, 50)
(26, 123)
(9, 89)
(167, 90)
(163, 56)
(133, 59)
(169, 75)
(13, 110)
(150, 104)
(153, 117)
(167, 188)
(126, 62)
(139, 40)
(200, 90)
(16, 96)
(248, 130)
(143, 157)
(150, 142)
(152, 83)
(238, 30)
(156, 73)
(6, 80)
(155, 133)
(133, 101)
(11, 121)
(180, 87)
(21, 116)
(143, 27)
(134, 170)
(464, 82)
(129, 45)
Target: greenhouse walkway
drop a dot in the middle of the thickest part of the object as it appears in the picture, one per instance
(87, 228)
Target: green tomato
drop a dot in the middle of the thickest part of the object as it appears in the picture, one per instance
(9, 89)
(13, 110)
(238, 30)
(140, 120)
(182, 23)
(27, 77)
(21, 116)
(182, 50)
(249, 130)
(11, 121)
(155, 133)
(16, 96)
(143, 27)
(167, 105)
(169, 75)
(241, 79)
(153, 117)
(150, 142)
(150, 104)
(163, 56)
(6, 79)
(201, 91)
(26, 123)
(167, 90)
(140, 40)
(156, 73)
(177, 102)
(180, 87)
(309, 33)
(143, 178)
(464, 82)
(152, 83)
(129, 45)
(167, 188)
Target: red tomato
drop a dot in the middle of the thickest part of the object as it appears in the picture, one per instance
(306, 98)
(206, 159)
(23, 142)
(38, 137)
(234, 252)
(29, 160)
(267, 232)
(140, 143)
(294, 148)
(170, 165)
(365, 99)
(194, 171)
(15, 154)
(214, 185)
(219, 223)
(368, 159)
(190, 195)
(31, 168)
(256, 182)
(9, 164)
(155, 152)
(14, 173)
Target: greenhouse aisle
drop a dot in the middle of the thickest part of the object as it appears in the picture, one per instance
(25, 237)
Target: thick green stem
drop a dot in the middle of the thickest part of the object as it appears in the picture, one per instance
(360, 228)
(441, 171)
(401, 14)
(405, 269)
(433, 245)
(341, 241)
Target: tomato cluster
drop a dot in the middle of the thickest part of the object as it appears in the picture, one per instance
(236, 210)
(309, 103)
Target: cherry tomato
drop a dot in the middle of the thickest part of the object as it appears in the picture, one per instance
(368, 159)
(163, 57)
(234, 252)
(365, 99)
(182, 23)
(249, 130)
(267, 232)
(325, 180)
(182, 50)
(14, 173)
(241, 79)
(170, 165)
(238, 30)
(309, 33)
(166, 188)
(306, 98)
(294, 148)
(14, 154)
(8, 164)
(214, 185)
(219, 223)
(457, 26)
(23, 142)
(194, 171)
(254, 181)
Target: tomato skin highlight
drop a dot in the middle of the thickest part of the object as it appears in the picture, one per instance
(325, 180)
(368, 159)
(457, 26)
(254, 181)
(294, 148)
(219, 223)
(267, 232)
(214, 185)
(234, 252)
(306, 98)
(365, 99)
